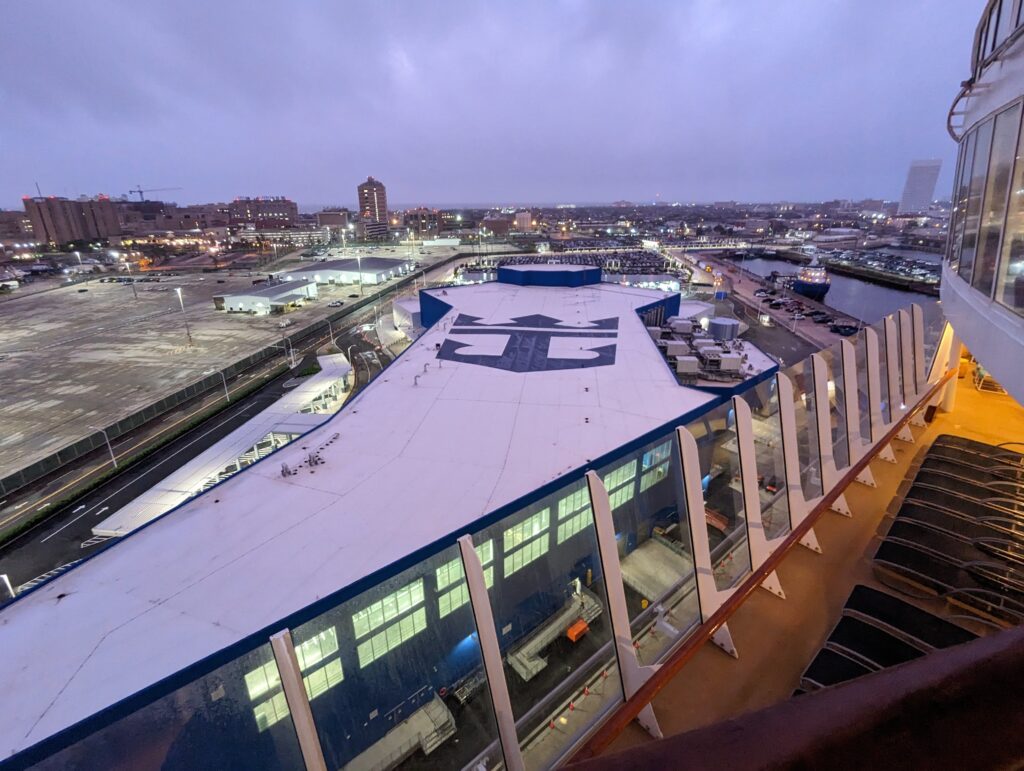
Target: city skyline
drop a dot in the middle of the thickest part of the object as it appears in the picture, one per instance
(529, 103)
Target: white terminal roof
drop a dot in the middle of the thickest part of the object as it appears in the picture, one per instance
(284, 416)
(411, 464)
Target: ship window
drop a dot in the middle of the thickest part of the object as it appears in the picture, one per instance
(962, 193)
(957, 212)
(1004, 142)
(968, 247)
(1010, 283)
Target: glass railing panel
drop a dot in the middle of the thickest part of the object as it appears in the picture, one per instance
(551, 614)
(645, 489)
(806, 429)
(715, 432)
(395, 677)
(771, 465)
(234, 717)
(883, 372)
(837, 406)
(860, 349)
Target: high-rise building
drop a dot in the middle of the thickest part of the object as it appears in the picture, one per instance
(524, 221)
(373, 201)
(61, 220)
(920, 186)
(264, 212)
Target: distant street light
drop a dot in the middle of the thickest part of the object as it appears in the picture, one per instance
(106, 438)
(188, 332)
(227, 396)
(331, 331)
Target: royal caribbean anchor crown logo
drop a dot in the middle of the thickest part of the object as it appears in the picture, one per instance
(534, 343)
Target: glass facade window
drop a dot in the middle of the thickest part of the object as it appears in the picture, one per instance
(1000, 166)
(551, 617)
(413, 691)
(1010, 284)
(972, 217)
(387, 608)
(233, 717)
(451, 572)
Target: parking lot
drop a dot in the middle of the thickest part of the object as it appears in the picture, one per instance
(71, 360)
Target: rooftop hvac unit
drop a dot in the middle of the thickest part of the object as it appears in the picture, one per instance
(686, 365)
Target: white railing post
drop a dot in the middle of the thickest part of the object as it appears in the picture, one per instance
(892, 370)
(797, 503)
(709, 596)
(632, 674)
(757, 540)
(490, 652)
(298, 701)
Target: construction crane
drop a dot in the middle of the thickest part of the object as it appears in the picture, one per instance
(139, 189)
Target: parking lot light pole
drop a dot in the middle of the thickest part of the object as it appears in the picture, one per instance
(359, 268)
(188, 332)
(331, 331)
(224, 380)
(113, 458)
(132, 279)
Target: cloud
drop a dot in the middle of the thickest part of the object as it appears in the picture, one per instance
(479, 102)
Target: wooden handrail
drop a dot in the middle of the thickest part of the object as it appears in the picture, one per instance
(632, 707)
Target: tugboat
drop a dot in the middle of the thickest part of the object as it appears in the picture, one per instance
(812, 281)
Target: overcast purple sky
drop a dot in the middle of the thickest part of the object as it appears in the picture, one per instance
(460, 102)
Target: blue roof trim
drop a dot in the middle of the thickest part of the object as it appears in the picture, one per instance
(524, 276)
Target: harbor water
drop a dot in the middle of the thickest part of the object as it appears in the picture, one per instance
(854, 297)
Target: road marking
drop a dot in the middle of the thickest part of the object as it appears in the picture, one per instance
(42, 507)
(105, 508)
(78, 509)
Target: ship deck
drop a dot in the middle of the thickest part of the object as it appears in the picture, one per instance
(777, 639)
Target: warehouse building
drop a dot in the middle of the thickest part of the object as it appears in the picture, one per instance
(367, 270)
(269, 298)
